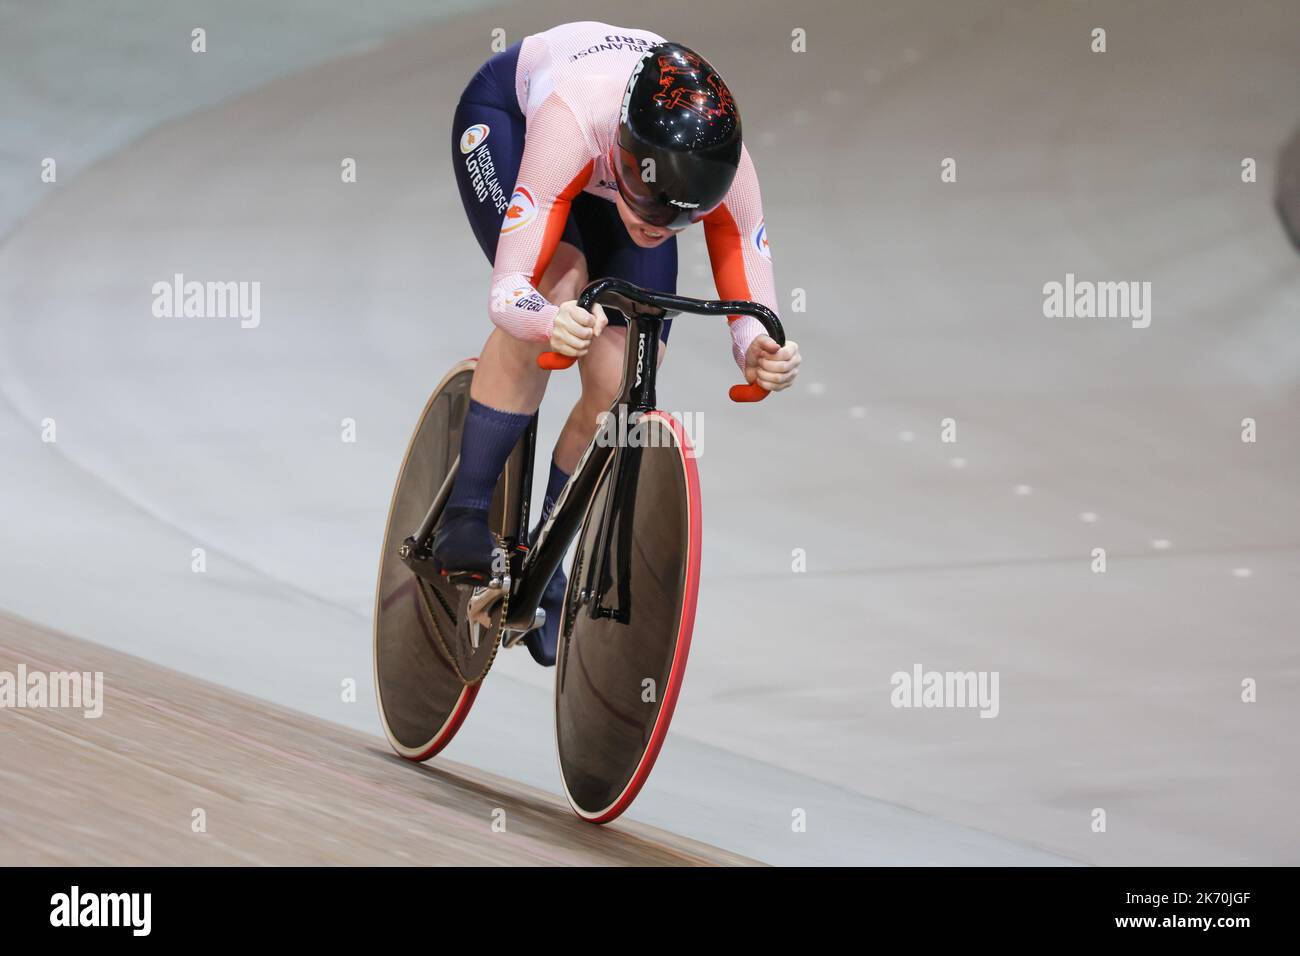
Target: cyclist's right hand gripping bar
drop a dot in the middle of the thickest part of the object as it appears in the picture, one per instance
(610, 291)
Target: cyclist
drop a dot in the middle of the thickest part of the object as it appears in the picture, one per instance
(580, 153)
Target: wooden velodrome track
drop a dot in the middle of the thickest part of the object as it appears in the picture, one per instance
(273, 786)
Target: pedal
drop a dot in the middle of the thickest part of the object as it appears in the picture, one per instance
(466, 579)
(510, 638)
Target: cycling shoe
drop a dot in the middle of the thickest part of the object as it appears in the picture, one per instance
(463, 546)
(543, 641)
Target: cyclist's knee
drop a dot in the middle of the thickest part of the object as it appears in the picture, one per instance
(598, 398)
(503, 349)
(507, 376)
(602, 369)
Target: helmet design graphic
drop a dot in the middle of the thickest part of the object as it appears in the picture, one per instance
(678, 112)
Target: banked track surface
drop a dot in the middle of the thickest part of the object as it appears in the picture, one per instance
(270, 786)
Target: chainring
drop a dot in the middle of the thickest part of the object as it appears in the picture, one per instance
(454, 630)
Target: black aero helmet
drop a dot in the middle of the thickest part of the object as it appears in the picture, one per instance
(678, 113)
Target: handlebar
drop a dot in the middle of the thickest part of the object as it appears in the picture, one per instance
(633, 300)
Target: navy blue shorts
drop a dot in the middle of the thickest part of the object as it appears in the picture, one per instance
(486, 177)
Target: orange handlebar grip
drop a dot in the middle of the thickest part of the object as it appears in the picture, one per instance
(747, 393)
(554, 361)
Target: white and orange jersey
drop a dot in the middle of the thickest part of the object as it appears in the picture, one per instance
(570, 82)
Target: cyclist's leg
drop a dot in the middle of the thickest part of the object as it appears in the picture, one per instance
(488, 132)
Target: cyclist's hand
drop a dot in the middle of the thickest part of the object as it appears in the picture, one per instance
(575, 328)
(770, 365)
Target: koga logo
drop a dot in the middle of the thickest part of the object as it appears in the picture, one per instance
(683, 205)
(132, 910)
(474, 137)
(759, 239)
(631, 82)
(520, 211)
(640, 356)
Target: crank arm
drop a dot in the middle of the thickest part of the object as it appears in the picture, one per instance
(485, 599)
(419, 560)
(511, 637)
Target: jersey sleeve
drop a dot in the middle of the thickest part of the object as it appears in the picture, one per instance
(738, 251)
(556, 165)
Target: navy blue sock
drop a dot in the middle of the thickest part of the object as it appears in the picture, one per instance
(489, 437)
(554, 485)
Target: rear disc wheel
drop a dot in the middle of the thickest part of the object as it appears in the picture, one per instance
(427, 670)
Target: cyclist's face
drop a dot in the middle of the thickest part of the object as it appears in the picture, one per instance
(643, 234)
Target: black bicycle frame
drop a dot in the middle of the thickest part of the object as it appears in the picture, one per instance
(637, 396)
(645, 312)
